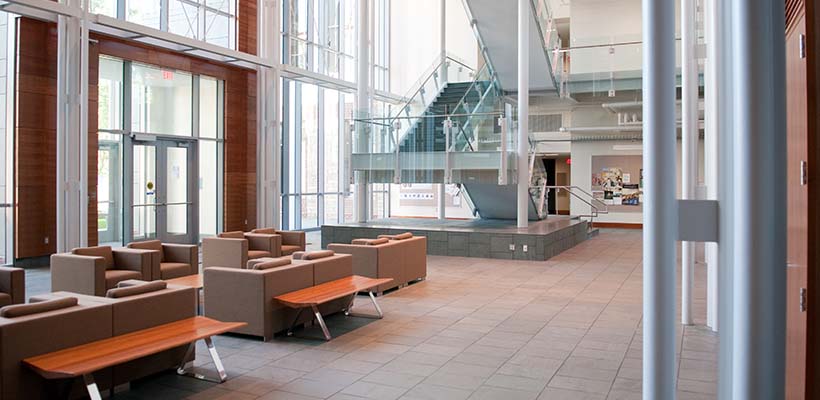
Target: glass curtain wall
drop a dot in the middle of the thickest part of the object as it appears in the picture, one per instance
(320, 36)
(312, 156)
(138, 99)
(213, 21)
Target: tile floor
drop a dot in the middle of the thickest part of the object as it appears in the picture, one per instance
(567, 328)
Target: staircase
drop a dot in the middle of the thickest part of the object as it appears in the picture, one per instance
(427, 133)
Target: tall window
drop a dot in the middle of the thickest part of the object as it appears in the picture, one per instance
(213, 21)
(312, 158)
(163, 104)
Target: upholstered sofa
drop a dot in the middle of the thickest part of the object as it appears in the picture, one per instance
(170, 260)
(234, 249)
(32, 329)
(94, 270)
(12, 286)
(400, 257)
(246, 295)
(133, 306)
(292, 241)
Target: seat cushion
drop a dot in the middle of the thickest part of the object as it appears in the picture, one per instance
(170, 270)
(115, 276)
(313, 255)
(155, 245)
(5, 299)
(288, 249)
(232, 235)
(100, 251)
(258, 254)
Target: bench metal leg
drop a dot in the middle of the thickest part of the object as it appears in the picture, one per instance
(378, 315)
(295, 321)
(91, 386)
(220, 369)
(321, 322)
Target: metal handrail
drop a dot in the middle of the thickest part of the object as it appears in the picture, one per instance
(595, 210)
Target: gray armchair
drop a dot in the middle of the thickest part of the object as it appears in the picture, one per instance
(94, 270)
(171, 260)
(234, 249)
(12, 286)
(292, 241)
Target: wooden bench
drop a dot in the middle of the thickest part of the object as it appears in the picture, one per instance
(84, 360)
(315, 296)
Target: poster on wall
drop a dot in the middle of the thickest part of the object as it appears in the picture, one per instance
(618, 182)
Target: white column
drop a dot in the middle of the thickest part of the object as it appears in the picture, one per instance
(523, 110)
(759, 281)
(689, 135)
(443, 39)
(362, 106)
(268, 152)
(711, 119)
(442, 204)
(660, 207)
(72, 131)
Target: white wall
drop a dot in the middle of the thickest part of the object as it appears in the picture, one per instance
(427, 208)
(595, 22)
(461, 41)
(414, 41)
(581, 174)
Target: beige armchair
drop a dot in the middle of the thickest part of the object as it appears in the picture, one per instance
(12, 286)
(292, 241)
(247, 295)
(401, 257)
(94, 270)
(234, 249)
(171, 260)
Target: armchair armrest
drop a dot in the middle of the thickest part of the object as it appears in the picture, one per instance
(182, 253)
(266, 242)
(13, 282)
(365, 258)
(224, 252)
(238, 295)
(78, 274)
(293, 238)
(135, 260)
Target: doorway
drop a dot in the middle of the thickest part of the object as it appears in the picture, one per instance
(161, 187)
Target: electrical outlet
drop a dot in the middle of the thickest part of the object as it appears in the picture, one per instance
(45, 240)
(512, 247)
(524, 247)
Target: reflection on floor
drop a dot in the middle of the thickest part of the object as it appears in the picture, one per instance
(567, 328)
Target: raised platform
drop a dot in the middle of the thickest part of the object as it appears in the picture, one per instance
(482, 238)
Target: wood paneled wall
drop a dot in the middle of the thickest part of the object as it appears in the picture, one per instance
(36, 131)
(35, 139)
(247, 23)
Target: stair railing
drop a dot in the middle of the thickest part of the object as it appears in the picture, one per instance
(425, 91)
(596, 206)
(550, 41)
(485, 75)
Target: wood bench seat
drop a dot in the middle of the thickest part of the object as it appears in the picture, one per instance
(84, 360)
(315, 296)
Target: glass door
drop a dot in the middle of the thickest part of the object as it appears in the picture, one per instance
(163, 191)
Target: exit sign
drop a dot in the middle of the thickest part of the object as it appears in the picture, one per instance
(167, 75)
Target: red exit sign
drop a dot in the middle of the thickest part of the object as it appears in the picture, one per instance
(167, 75)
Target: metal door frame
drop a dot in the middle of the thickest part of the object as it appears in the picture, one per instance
(161, 144)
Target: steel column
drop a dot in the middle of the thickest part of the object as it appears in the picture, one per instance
(268, 149)
(689, 135)
(362, 106)
(759, 281)
(524, 9)
(711, 118)
(660, 207)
